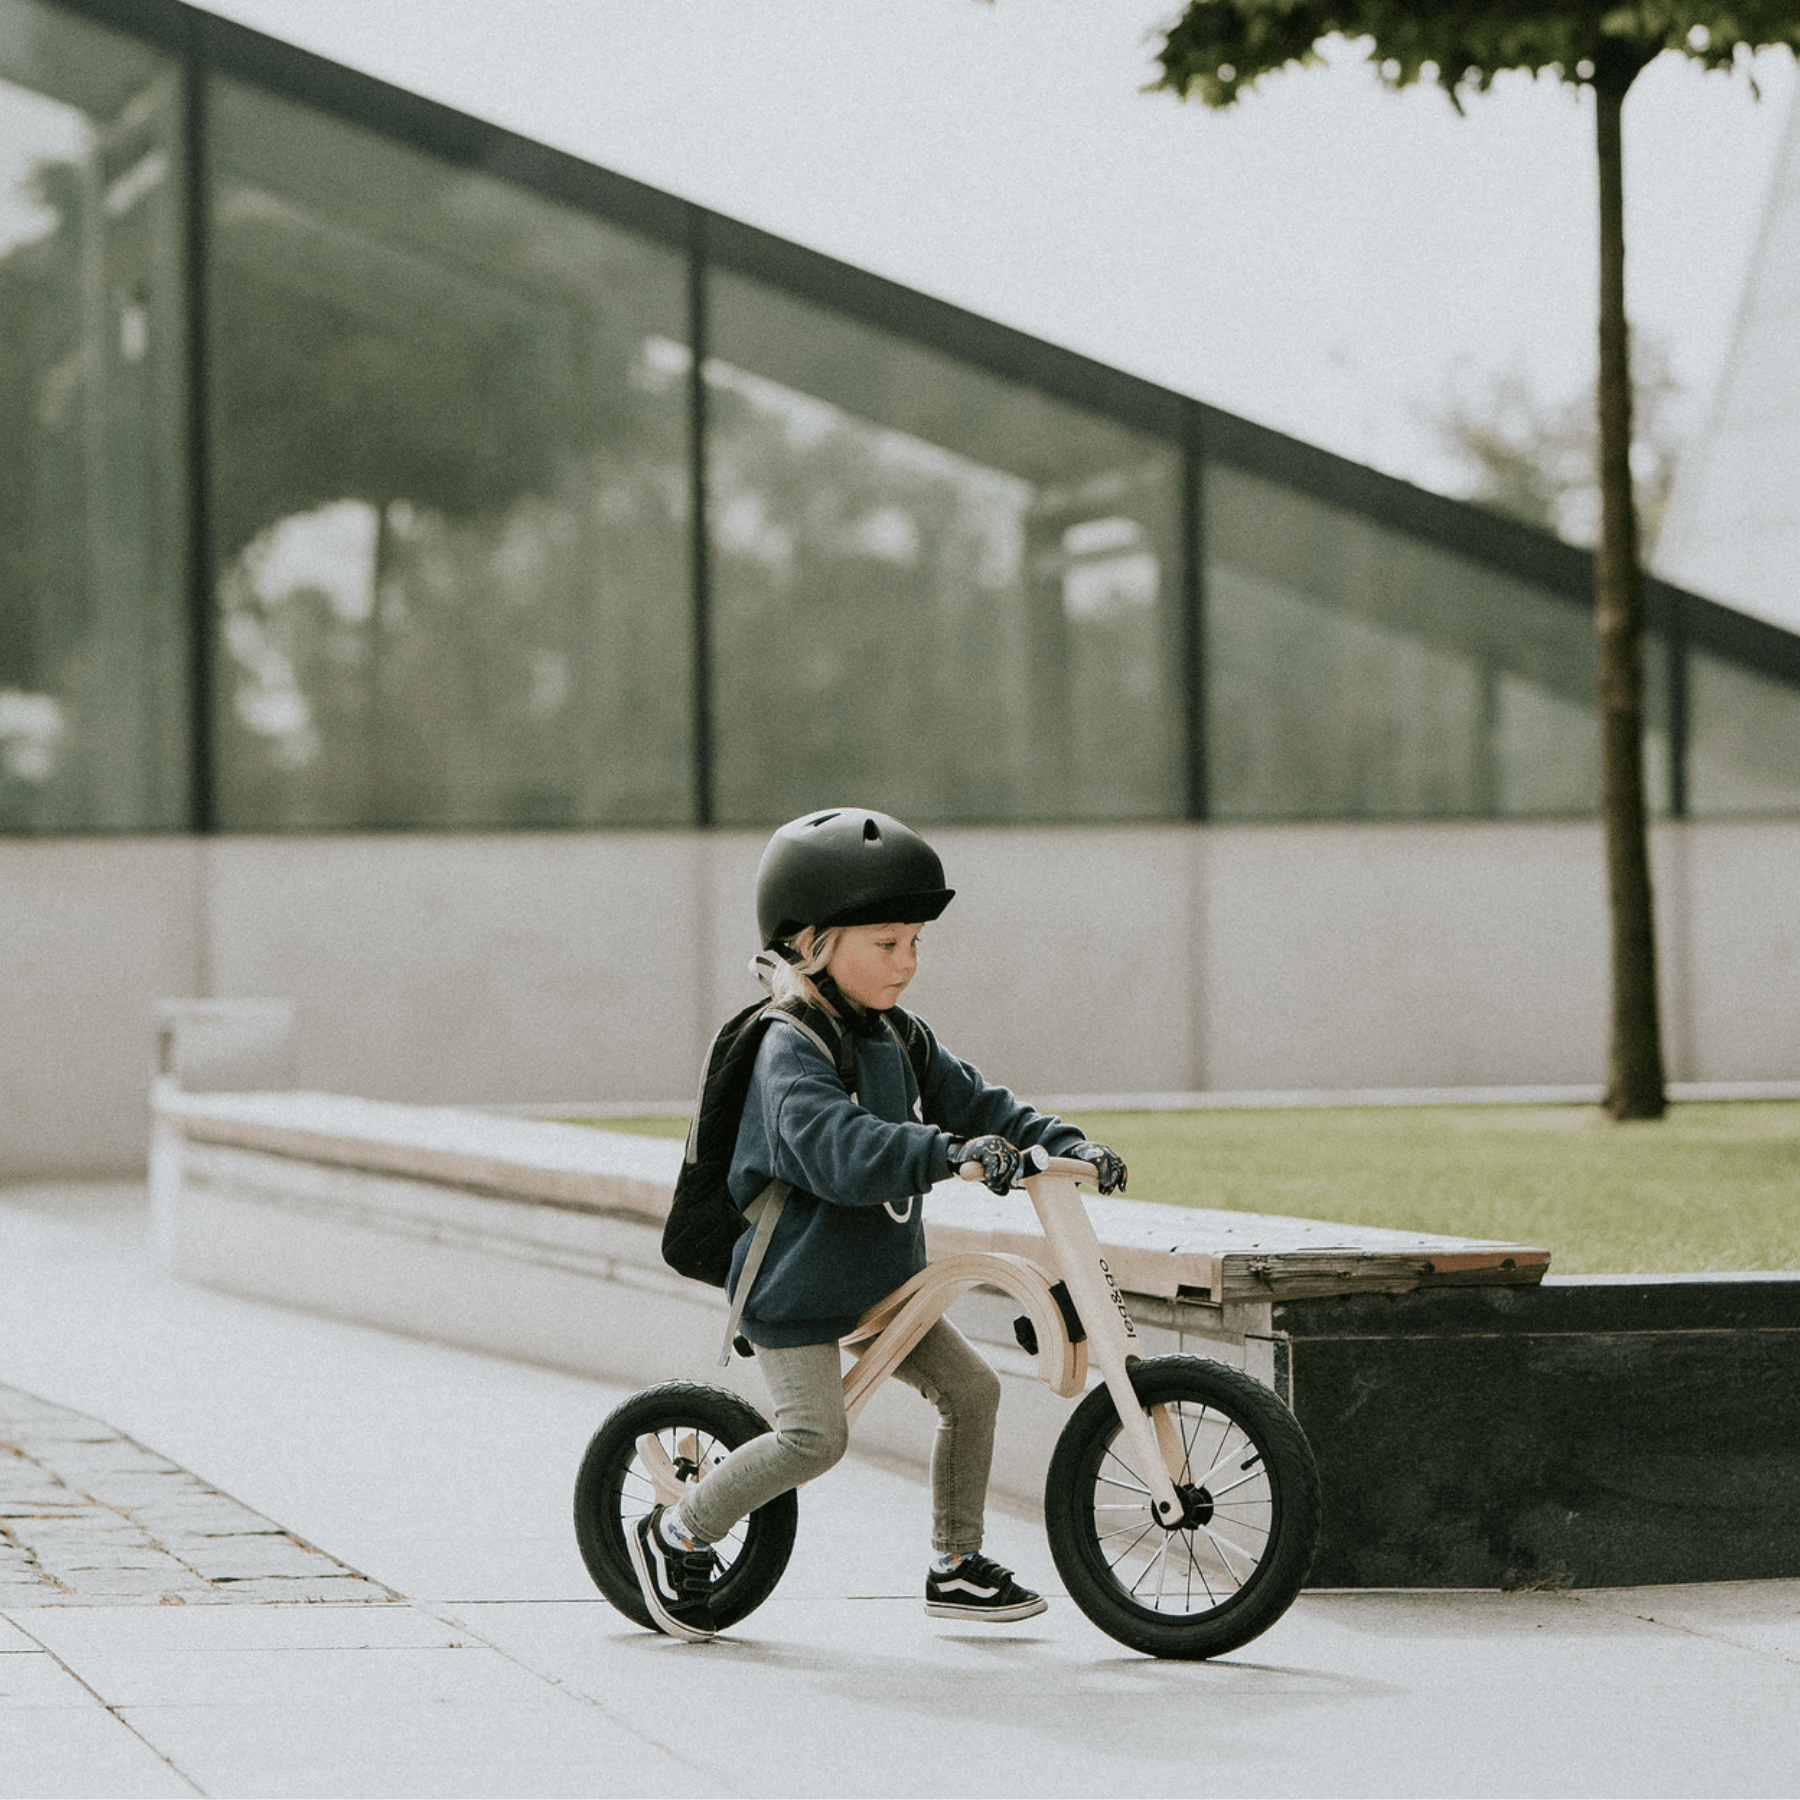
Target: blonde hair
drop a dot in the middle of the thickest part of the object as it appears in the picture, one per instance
(793, 980)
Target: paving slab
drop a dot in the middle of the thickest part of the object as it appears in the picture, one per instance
(81, 1751)
(75, 1633)
(1758, 1615)
(419, 1749)
(39, 1681)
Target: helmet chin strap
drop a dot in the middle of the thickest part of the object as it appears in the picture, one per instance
(862, 1022)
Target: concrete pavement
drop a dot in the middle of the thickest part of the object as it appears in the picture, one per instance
(217, 1446)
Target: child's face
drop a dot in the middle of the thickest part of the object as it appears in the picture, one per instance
(873, 963)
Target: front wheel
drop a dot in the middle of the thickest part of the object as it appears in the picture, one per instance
(1234, 1563)
(677, 1431)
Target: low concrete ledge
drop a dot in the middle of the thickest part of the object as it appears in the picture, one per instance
(506, 1158)
(1169, 1252)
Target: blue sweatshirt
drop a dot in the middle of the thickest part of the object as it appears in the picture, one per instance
(852, 1230)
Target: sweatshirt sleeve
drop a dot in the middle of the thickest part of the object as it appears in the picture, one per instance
(960, 1099)
(822, 1141)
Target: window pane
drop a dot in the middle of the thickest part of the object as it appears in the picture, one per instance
(93, 645)
(934, 591)
(1355, 672)
(451, 479)
(1744, 739)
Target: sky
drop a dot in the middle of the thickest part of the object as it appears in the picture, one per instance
(1330, 258)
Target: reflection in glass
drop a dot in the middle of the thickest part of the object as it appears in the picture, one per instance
(1354, 672)
(1743, 740)
(450, 484)
(93, 657)
(933, 590)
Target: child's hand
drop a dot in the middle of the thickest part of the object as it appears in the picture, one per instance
(1000, 1163)
(1109, 1166)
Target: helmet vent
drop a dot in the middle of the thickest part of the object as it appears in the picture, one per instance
(822, 819)
(871, 832)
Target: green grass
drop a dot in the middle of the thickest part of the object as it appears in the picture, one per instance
(1714, 1186)
(660, 1127)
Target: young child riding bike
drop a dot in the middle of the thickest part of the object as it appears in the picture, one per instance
(841, 898)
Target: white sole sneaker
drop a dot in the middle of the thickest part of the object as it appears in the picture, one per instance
(991, 1615)
(650, 1584)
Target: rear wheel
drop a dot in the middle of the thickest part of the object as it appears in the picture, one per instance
(1233, 1564)
(686, 1429)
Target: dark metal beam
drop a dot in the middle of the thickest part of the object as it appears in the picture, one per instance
(1193, 613)
(203, 807)
(701, 685)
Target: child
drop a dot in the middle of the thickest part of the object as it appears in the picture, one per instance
(841, 898)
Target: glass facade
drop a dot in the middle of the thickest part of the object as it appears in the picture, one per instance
(93, 478)
(449, 492)
(1743, 740)
(1354, 671)
(534, 499)
(930, 585)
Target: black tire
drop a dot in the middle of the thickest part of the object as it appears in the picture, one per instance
(1233, 1568)
(698, 1427)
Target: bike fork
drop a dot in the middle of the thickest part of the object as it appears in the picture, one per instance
(1113, 1343)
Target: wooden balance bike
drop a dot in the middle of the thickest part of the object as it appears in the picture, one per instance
(1181, 1502)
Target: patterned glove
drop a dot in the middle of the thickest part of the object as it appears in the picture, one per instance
(1000, 1162)
(1109, 1166)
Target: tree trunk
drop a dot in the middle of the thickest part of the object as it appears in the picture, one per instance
(1634, 1083)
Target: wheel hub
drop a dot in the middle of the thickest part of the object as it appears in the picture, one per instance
(1196, 1507)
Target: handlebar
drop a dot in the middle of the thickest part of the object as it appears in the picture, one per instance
(1039, 1161)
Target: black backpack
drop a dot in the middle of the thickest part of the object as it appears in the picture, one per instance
(704, 1223)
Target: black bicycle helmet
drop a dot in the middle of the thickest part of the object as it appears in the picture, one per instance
(846, 866)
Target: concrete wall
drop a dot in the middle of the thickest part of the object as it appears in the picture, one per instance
(92, 933)
(593, 966)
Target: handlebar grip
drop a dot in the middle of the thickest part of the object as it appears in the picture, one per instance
(1073, 1167)
(1039, 1161)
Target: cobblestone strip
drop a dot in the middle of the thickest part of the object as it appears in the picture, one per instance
(89, 1517)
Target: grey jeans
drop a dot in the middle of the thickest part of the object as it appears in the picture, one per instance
(806, 1385)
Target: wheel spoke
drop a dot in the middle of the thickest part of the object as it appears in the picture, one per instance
(1193, 1424)
(1234, 1457)
(1158, 1560)
(1196, 1567)
(1134, 1477)
(1133, 1531)
(1129, 1487)
(1212, 1539)
(1237, 1524)
(1231, 1487)
(1114, 1562)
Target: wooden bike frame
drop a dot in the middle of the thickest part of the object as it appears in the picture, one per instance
(886, 1335)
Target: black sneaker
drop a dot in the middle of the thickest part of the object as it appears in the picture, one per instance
(978, 1588)
(676, 1584)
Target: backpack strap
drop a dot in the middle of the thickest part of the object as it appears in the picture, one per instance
(914, 1037)
(765, 1209)
(827, 1036)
